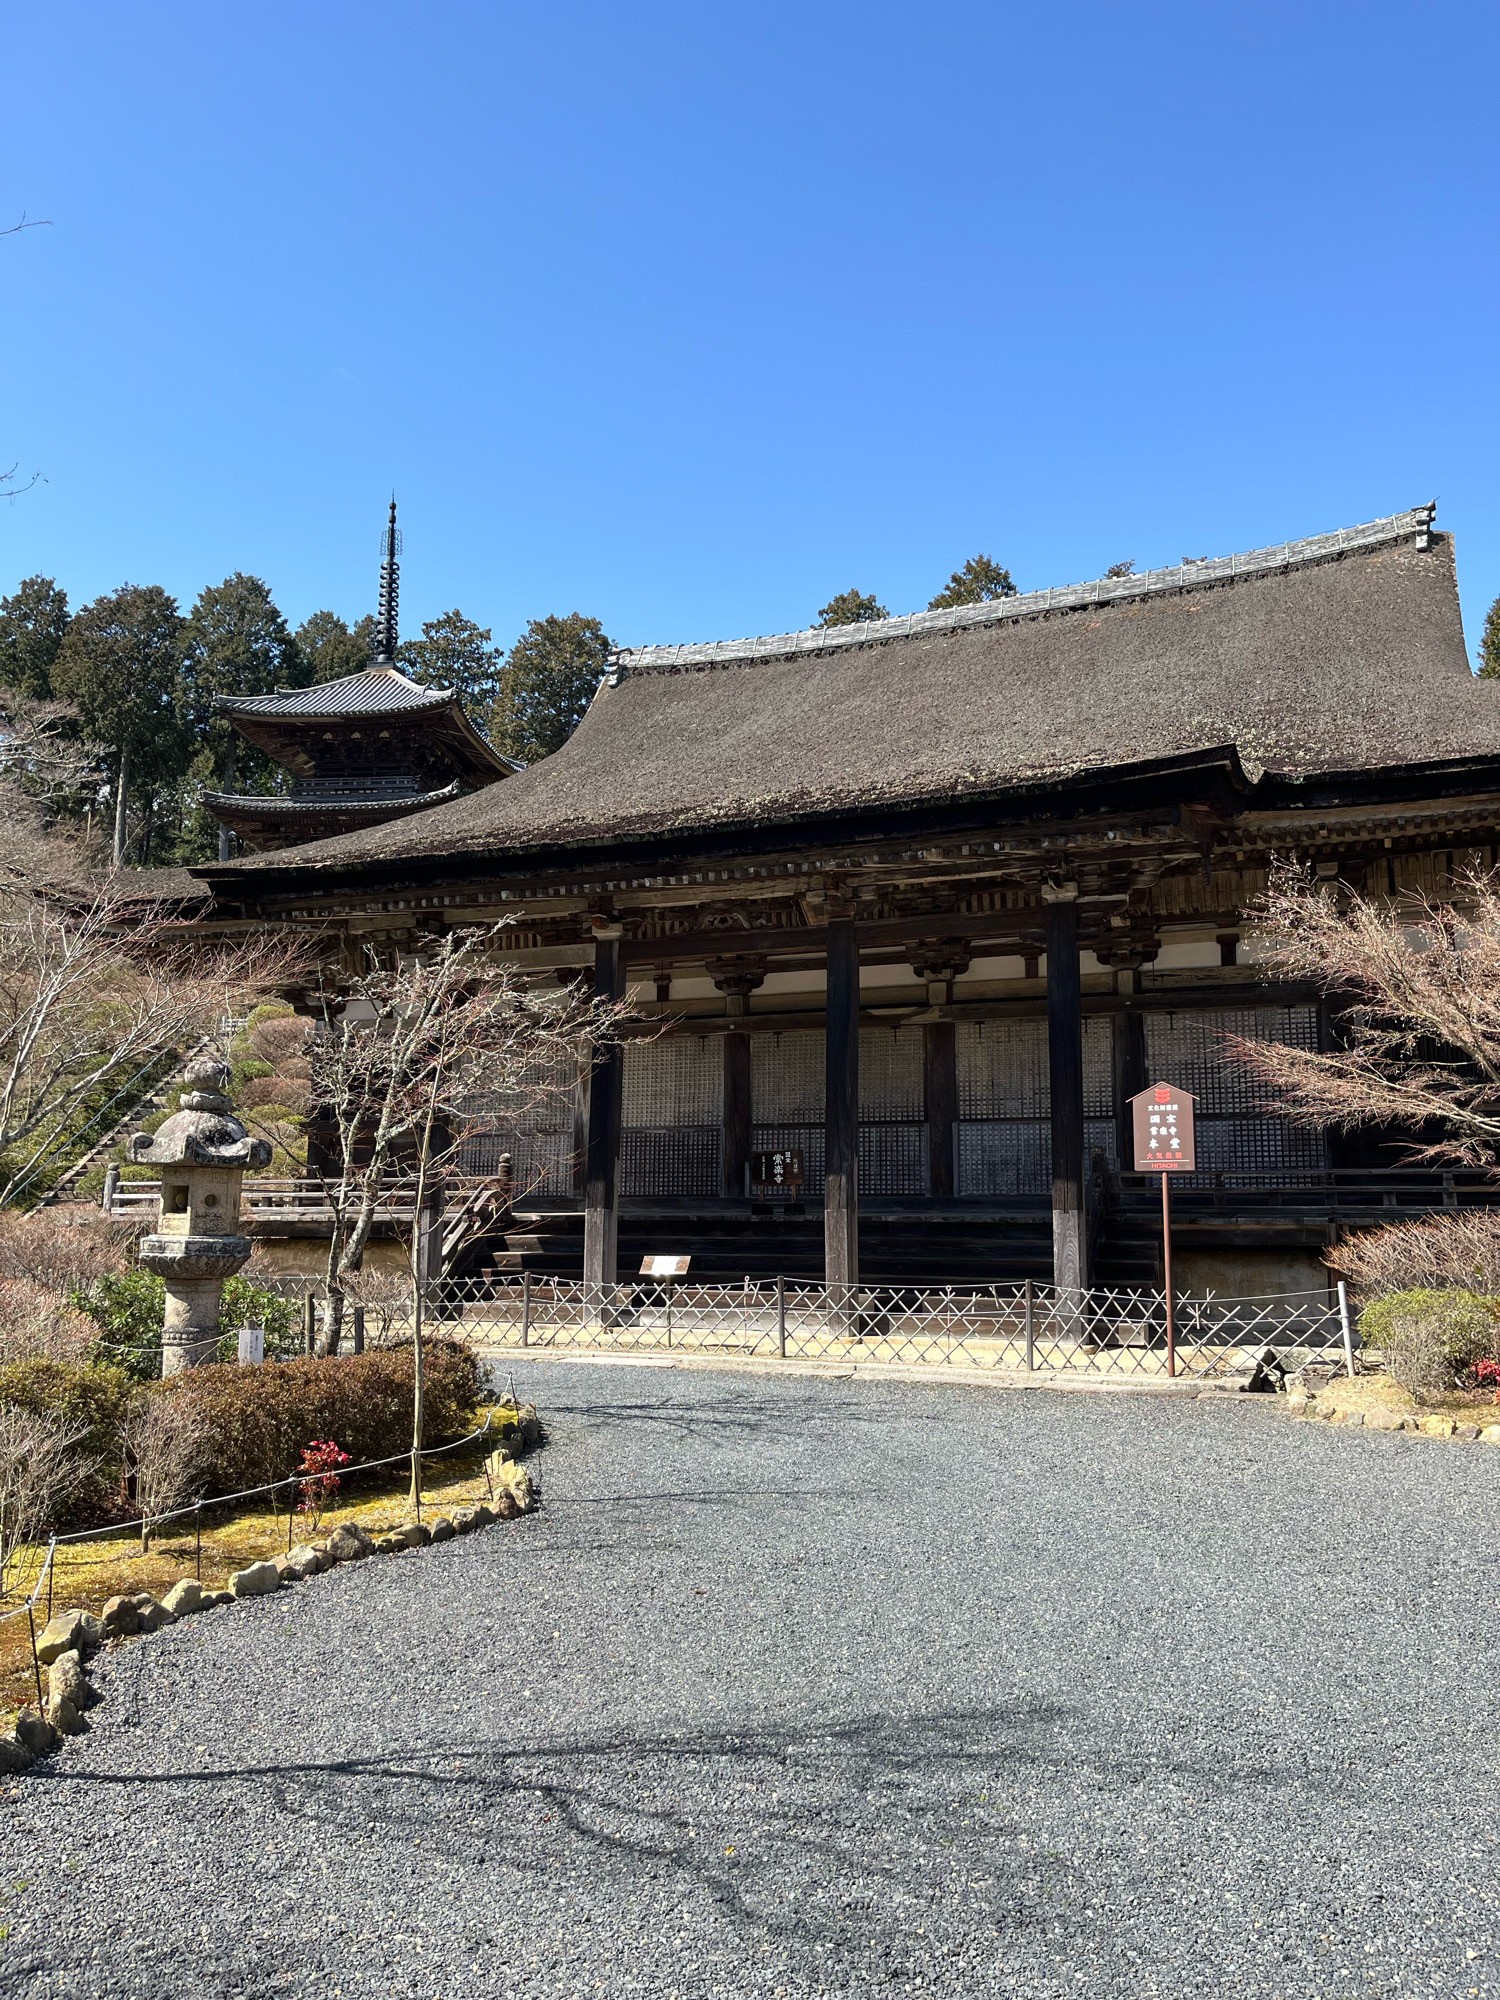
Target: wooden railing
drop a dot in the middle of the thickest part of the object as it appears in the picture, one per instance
(261, 1199)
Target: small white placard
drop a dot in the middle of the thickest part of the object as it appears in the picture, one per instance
(252, 1346)
(665, 1267)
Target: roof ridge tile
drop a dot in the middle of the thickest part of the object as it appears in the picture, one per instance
(626, 662)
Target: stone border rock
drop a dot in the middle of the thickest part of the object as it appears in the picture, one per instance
(73, 1637)
(1303, 1400)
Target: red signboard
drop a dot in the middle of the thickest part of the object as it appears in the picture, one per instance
(1162, 1122)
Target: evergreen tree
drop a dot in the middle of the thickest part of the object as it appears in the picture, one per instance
(32, 623)
(980, 581)
(1489, 644)
(330, 650)
(454, 652)
(851, 607)
(118, 666)
(550, 676)
(235, 642)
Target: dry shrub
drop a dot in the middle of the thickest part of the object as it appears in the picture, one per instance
(256, 1421)
(387, 1299)
(280, 1040)
(37, 1324)
(167, 1451)
(40, 1469)
(95, 1402)
(1443, 1253)
(65, 1251)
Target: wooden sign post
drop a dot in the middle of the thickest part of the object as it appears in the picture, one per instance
(1165, 1143)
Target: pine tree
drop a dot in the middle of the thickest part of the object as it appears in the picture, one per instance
(235, 642)
(453, 652)
(330, 650)
(851, 607)
(980, 581)
(1489, 644)
(118, 666)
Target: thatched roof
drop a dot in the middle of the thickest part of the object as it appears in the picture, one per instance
(1345, 653)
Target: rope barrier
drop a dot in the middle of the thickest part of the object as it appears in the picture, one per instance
(291, 1479)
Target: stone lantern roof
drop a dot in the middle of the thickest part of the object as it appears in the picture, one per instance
(205, 1132)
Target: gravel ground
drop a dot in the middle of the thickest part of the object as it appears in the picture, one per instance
(799, 1687)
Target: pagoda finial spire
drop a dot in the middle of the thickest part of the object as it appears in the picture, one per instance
(387, 619)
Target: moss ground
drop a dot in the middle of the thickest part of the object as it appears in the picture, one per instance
(86, 1574)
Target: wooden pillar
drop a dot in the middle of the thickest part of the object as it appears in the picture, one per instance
(1127, 1031)
(738, 1111)
(1065, 1074)
(601, 1207)
(841, 1108)
(940, 1091)
(737, 977)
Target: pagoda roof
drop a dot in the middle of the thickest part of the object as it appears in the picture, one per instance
(277, 722)
(372, 691)
(1340, 654)
(267, 819)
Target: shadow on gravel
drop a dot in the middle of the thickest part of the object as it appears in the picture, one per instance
(842, 1837)
(743, 1418)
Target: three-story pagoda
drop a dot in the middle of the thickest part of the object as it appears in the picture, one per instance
(371, 747)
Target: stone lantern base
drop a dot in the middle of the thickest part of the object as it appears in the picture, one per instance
(193, 1269)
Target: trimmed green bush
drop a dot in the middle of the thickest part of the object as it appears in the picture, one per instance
(98, 1399)
(257, 1420)
(1432, 1339)
(128, 1307)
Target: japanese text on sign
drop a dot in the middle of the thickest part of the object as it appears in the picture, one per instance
(777, 1170)
(1162, 1123)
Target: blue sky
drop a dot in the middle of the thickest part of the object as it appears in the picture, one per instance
(689, 316)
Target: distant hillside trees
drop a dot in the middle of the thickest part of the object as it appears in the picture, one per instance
(1489, 644)
(550, 676)
(454, 652)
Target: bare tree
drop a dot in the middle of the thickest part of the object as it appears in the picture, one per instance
(166, 1446)
(1419, 980)
(1454, 1252)
(95, 988)
(385, 1296)
(39, 1469)
(399, 1058)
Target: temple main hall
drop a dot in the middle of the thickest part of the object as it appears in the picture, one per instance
(913, 907)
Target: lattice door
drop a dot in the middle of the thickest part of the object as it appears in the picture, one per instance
(672, 1141)
(892, 1113)
(1237, 1131)
(1005, 1104)
(786, 1086)
(535, 1124)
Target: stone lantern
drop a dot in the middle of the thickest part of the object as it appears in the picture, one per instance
(202, 1151)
